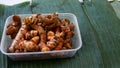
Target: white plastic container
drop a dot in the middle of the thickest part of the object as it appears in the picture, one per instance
(76, 43)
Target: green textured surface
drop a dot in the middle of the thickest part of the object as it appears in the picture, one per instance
(99, 27)
(105, 25)
(116, 6)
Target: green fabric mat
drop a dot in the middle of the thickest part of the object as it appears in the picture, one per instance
(99, 27)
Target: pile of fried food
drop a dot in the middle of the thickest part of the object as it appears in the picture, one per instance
(40, 33)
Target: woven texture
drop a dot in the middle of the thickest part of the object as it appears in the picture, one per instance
(99, 27)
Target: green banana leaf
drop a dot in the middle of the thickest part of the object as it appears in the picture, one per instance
(99, 26)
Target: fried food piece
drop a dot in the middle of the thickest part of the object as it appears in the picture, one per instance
(36, 39)
(13, 27)
(43, 47)
(50, 35)
(18, 38)
(29, 45)
(60, 44)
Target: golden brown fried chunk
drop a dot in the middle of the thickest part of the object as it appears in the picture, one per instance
(13, 27)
